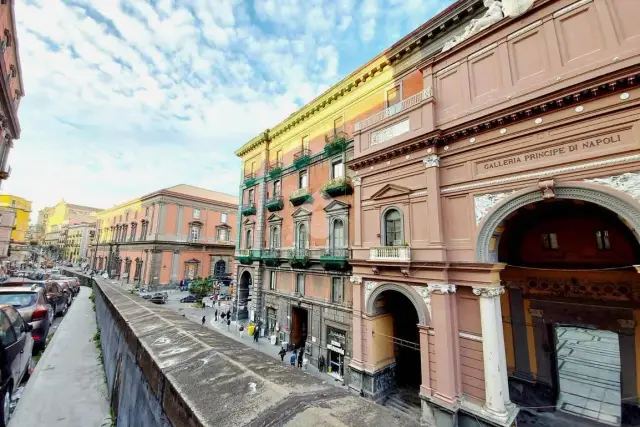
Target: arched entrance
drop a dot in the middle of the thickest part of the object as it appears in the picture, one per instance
(572, 295)
(396, 313)
(244, 295)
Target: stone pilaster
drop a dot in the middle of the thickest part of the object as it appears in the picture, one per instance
(179, 221)
(357, 211)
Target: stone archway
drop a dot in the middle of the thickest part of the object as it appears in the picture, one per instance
(418, 295)
(491, 227)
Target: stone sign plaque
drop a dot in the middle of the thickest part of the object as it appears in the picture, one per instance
(556, 154)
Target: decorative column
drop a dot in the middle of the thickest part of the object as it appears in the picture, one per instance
(492, 347)
(434, 211)
(445, 325)
(357, 211)
(358, 308)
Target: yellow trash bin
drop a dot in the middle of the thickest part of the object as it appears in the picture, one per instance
(250, 329)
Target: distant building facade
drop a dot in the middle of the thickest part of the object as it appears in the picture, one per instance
(18, 241)
(56, 220)
(7, 219)
(77, 240)
(160, 238)
(11, 85)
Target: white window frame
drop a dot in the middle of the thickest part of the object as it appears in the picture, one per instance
(335, 162)
(304, 173)
(297, 288)
(196, 213)
(333, 293)
(194, 233)
(388, 88)
(273, 280)
(223, 217)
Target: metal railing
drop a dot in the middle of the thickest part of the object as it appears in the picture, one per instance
(336, 253)
(390, 253)
(305, 152)
(304, 191)
(276, 165)
(394, 109)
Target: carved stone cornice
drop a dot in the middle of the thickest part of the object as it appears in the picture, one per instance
(441, 288)
(357, 181)
(488, 292)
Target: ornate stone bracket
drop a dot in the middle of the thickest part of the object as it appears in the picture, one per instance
(489, 292)
(441, 288)
(357, 181)
(431, 161)
(356, 279)
(368, 288)
(426, 296)
(548, 189)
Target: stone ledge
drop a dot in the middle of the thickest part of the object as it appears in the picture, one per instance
(203, 378)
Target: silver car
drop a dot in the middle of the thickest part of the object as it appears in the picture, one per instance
(32, 304)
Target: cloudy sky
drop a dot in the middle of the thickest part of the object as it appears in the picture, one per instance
(124, 97)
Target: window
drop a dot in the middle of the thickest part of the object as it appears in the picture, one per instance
(394, 96)
(337, 169)
(146, 211)
(602, 240)
(272, 281)
(17, 322)
(195, 233)
(277, 188)
(338, 234)
(143, 230)
(124, 232)
(134, 228)
(279, 156)
(223, 217)
(393, 228)
(126, 218)
(13, 203)
(274, 241)
(249, 240)
(338, 125)
(253, 167)
(337, 290)
(7, 336)
(250, 196)
(222, 235)
(196, 213)
(303, 180)
(300, 284)
(550, 241)
(305, 142)
(302, 237)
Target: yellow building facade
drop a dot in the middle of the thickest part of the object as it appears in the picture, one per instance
(22, 208)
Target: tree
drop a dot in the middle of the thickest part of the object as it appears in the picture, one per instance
(201, 287)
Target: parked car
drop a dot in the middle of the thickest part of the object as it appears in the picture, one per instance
(57, 298)
(189, 298)
(21, 281)
(67, 289)
(74, 282)
(32, 304)
(16, 346)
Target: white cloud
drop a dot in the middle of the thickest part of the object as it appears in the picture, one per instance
(126, 97)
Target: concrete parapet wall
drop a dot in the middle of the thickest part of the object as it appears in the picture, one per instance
(164, 370)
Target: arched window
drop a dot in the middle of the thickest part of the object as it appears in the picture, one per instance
(302, 237)
(274, 242)
(393, 228)
(337, 240)
(249, 240)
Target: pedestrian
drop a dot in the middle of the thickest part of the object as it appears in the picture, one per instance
(321, 363)
(215, 315)
(292, 359)
(204, 319)
(228, 323)
(300, 357)
(229, 315)
(256, 333)
(222, 316)
(282, 353)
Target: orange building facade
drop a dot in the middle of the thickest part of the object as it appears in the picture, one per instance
(493, 158)
(181, 232)
(11, 85)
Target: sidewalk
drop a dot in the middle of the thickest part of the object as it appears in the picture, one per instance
(263, 345)
(67, 388)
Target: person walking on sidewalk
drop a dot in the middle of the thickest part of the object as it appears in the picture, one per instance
(282, 353)
(228, 323)
(300, 357)
(215, 315)
(204, 319)
(292, 359)
(256, 334)
(229, 315)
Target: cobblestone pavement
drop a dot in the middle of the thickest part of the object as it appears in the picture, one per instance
(589, 371)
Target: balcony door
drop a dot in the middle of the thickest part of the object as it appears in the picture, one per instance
(393, 228)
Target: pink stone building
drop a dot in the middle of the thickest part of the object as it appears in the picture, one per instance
(174, 233)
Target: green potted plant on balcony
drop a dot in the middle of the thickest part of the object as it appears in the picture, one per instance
(302, 158)
(298, 258)
(275, 170)
(274, 204)
(299, 196)
(248, 209)
(337, 187)
(250, 180)
(271, 257)
(335, 143)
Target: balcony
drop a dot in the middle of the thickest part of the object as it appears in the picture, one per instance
(275, 169)
(302, 158)
(390, 254)
(248, 209)
(298, 258)
(335, 259)
(271, 257)
(5, 173)
(247, 256)
(274, 204)
(335, 143)
(337, 187)
(300, 196)
(250, 179)
(394, 109)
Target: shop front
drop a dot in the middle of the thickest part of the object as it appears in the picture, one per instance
(336, 344)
